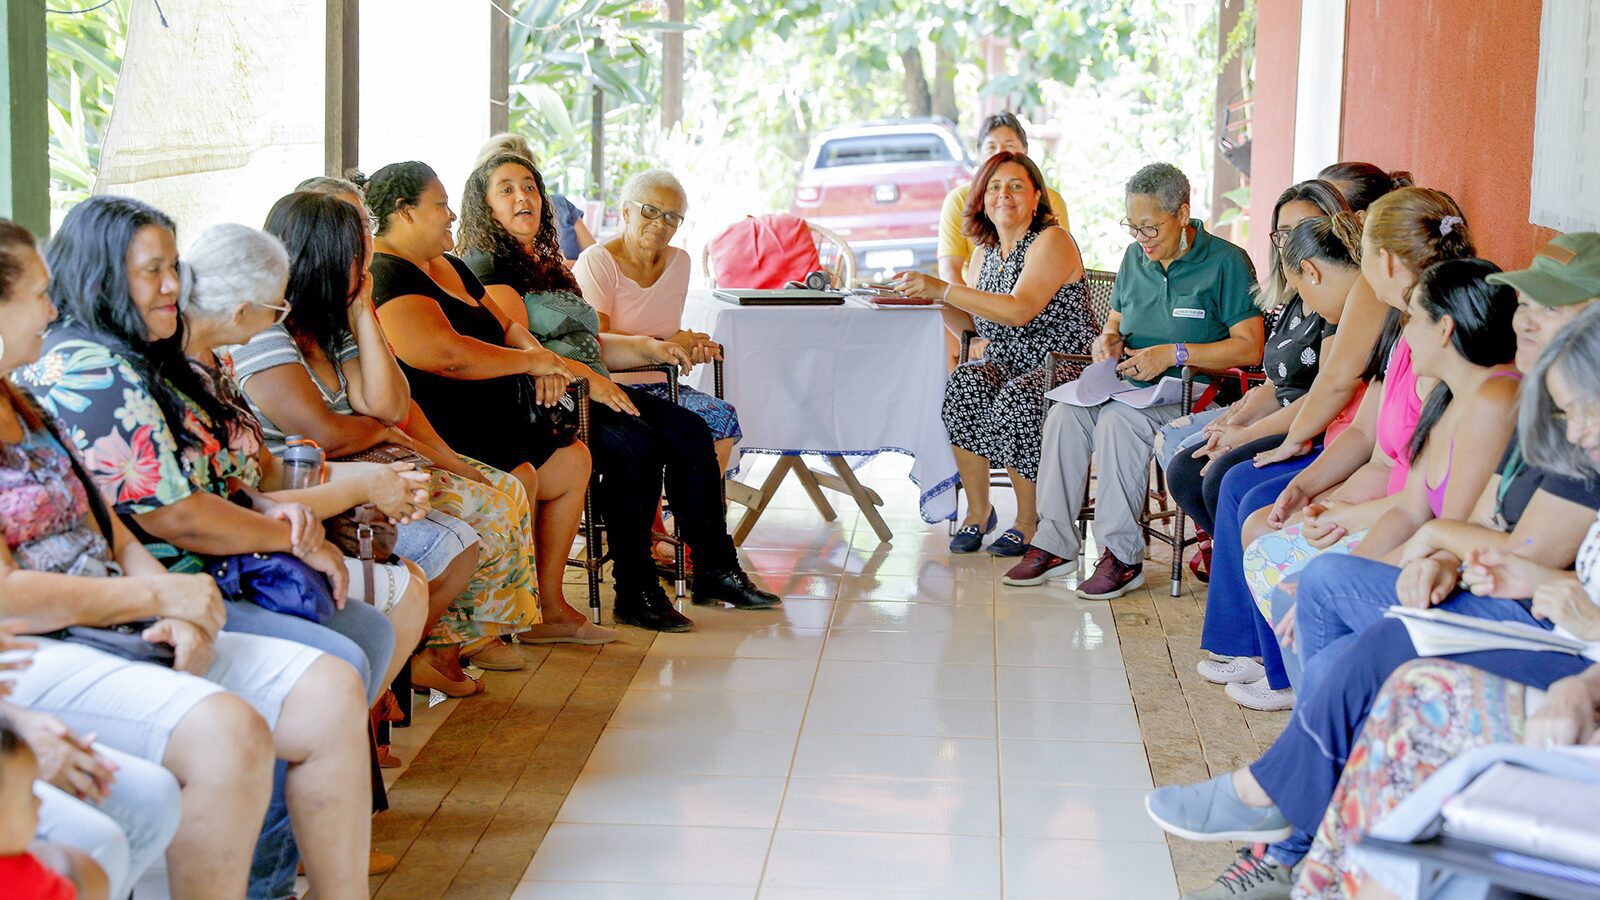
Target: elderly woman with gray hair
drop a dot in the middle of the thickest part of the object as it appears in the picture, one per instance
(638, 282)
(1183, 297)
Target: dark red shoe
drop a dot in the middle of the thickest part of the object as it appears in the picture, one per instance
(1200, 563)
(1111, 579)
(1036, 567)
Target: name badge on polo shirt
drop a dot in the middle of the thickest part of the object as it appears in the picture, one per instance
(1187, 312)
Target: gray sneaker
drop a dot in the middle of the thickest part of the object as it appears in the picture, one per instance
(1211, 811)
(1250, 876)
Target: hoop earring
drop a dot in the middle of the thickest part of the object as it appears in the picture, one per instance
(2, 346)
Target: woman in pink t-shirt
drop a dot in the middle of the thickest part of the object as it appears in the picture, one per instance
(638, 282)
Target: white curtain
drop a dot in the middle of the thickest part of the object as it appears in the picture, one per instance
(1566, 132)
(425, 85)
(220, 111)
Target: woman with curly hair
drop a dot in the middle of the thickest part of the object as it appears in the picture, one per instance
(508, 233)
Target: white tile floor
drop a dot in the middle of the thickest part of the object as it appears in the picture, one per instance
(904, 727)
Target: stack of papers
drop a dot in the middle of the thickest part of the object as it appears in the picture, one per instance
(1537, 813)
(1439, 632)
(1100, 382)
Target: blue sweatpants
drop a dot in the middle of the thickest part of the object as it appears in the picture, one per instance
(1233, 626)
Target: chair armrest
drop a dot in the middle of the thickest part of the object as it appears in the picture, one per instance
(579, 389)
(967, 337)
(667, 369)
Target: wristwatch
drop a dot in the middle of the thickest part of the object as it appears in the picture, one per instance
(1182, 354)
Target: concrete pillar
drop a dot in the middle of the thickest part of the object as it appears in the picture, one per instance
(24, 126)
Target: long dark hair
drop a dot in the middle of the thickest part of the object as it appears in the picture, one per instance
(978, 227)
(1327, 199)
(1482, 334)
(324, 237)
(89, 284)
(537, 268)
(1366, 181)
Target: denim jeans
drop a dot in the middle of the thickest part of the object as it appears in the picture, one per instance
(1301, 769)
(1183, 432)
(1341, 596)
(630, 453)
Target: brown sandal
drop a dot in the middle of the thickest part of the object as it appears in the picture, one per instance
(425, 678)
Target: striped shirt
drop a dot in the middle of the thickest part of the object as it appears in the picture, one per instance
(275, 347)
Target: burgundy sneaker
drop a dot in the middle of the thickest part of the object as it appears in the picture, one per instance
(1036, 567)
(1111, 579)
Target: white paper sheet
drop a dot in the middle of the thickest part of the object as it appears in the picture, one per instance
(1097, 384)
(1167, 390)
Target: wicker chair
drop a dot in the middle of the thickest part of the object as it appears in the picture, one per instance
(838, 260)
(595, 553)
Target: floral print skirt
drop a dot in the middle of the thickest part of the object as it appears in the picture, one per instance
(503, 595)
(1429, 712)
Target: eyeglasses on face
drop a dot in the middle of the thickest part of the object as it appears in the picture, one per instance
(1280, 236)
(1148, 232)
(656, 212)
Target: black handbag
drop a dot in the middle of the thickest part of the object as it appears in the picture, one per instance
(556, 425)
(118, 640)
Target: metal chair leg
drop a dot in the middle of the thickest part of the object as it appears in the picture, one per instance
(1179, 522)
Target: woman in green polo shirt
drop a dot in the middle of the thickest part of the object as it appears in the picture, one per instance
(1183, 297)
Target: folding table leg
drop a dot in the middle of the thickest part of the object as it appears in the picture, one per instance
(867, 500)
(769, 487)
(808, 480)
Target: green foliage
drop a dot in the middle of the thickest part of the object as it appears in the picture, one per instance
(84, 57)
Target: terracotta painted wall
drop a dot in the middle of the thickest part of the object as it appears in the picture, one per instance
(1272, 125)
(1445, 89)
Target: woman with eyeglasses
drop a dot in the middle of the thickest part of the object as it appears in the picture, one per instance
(641, 443)
(1183, 297)
(638, 282)
(1028, 300)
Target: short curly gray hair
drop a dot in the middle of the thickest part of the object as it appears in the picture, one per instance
(655, 178)
(228, 266)
(1163, 181)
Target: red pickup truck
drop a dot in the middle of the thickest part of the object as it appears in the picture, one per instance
(880, 186)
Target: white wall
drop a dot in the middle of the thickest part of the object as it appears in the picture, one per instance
(425, 85)
(1319, 94)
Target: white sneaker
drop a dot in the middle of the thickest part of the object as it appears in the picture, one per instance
(1231, 671)
(1257, 695)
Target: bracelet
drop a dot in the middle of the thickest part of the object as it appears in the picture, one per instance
(945, 297)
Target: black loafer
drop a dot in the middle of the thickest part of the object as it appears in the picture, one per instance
(970, 538)
(732, 587)
(1009, 543)
(649, 609)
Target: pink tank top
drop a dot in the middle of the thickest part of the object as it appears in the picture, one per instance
(1436, 492)
(1397, 417)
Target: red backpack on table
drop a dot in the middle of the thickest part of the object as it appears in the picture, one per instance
(763, 252)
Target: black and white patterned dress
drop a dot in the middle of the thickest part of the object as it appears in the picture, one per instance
(994, 407)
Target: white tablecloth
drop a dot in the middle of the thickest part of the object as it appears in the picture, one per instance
(847, 380)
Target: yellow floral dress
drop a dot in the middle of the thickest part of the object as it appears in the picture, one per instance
(503, 595)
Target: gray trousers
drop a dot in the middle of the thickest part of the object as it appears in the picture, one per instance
(1121, 440)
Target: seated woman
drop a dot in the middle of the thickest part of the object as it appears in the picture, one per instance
(1405, 232)
(207, 718)
(479, 379)
(570, 230)
(1001, 132)
(1306, 324)
(291, 377)
(1527, 510)
(1182, 297)
(1029, 301)
(638, 281)
(508, 233)
(1336, 396)
(1460, 334)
